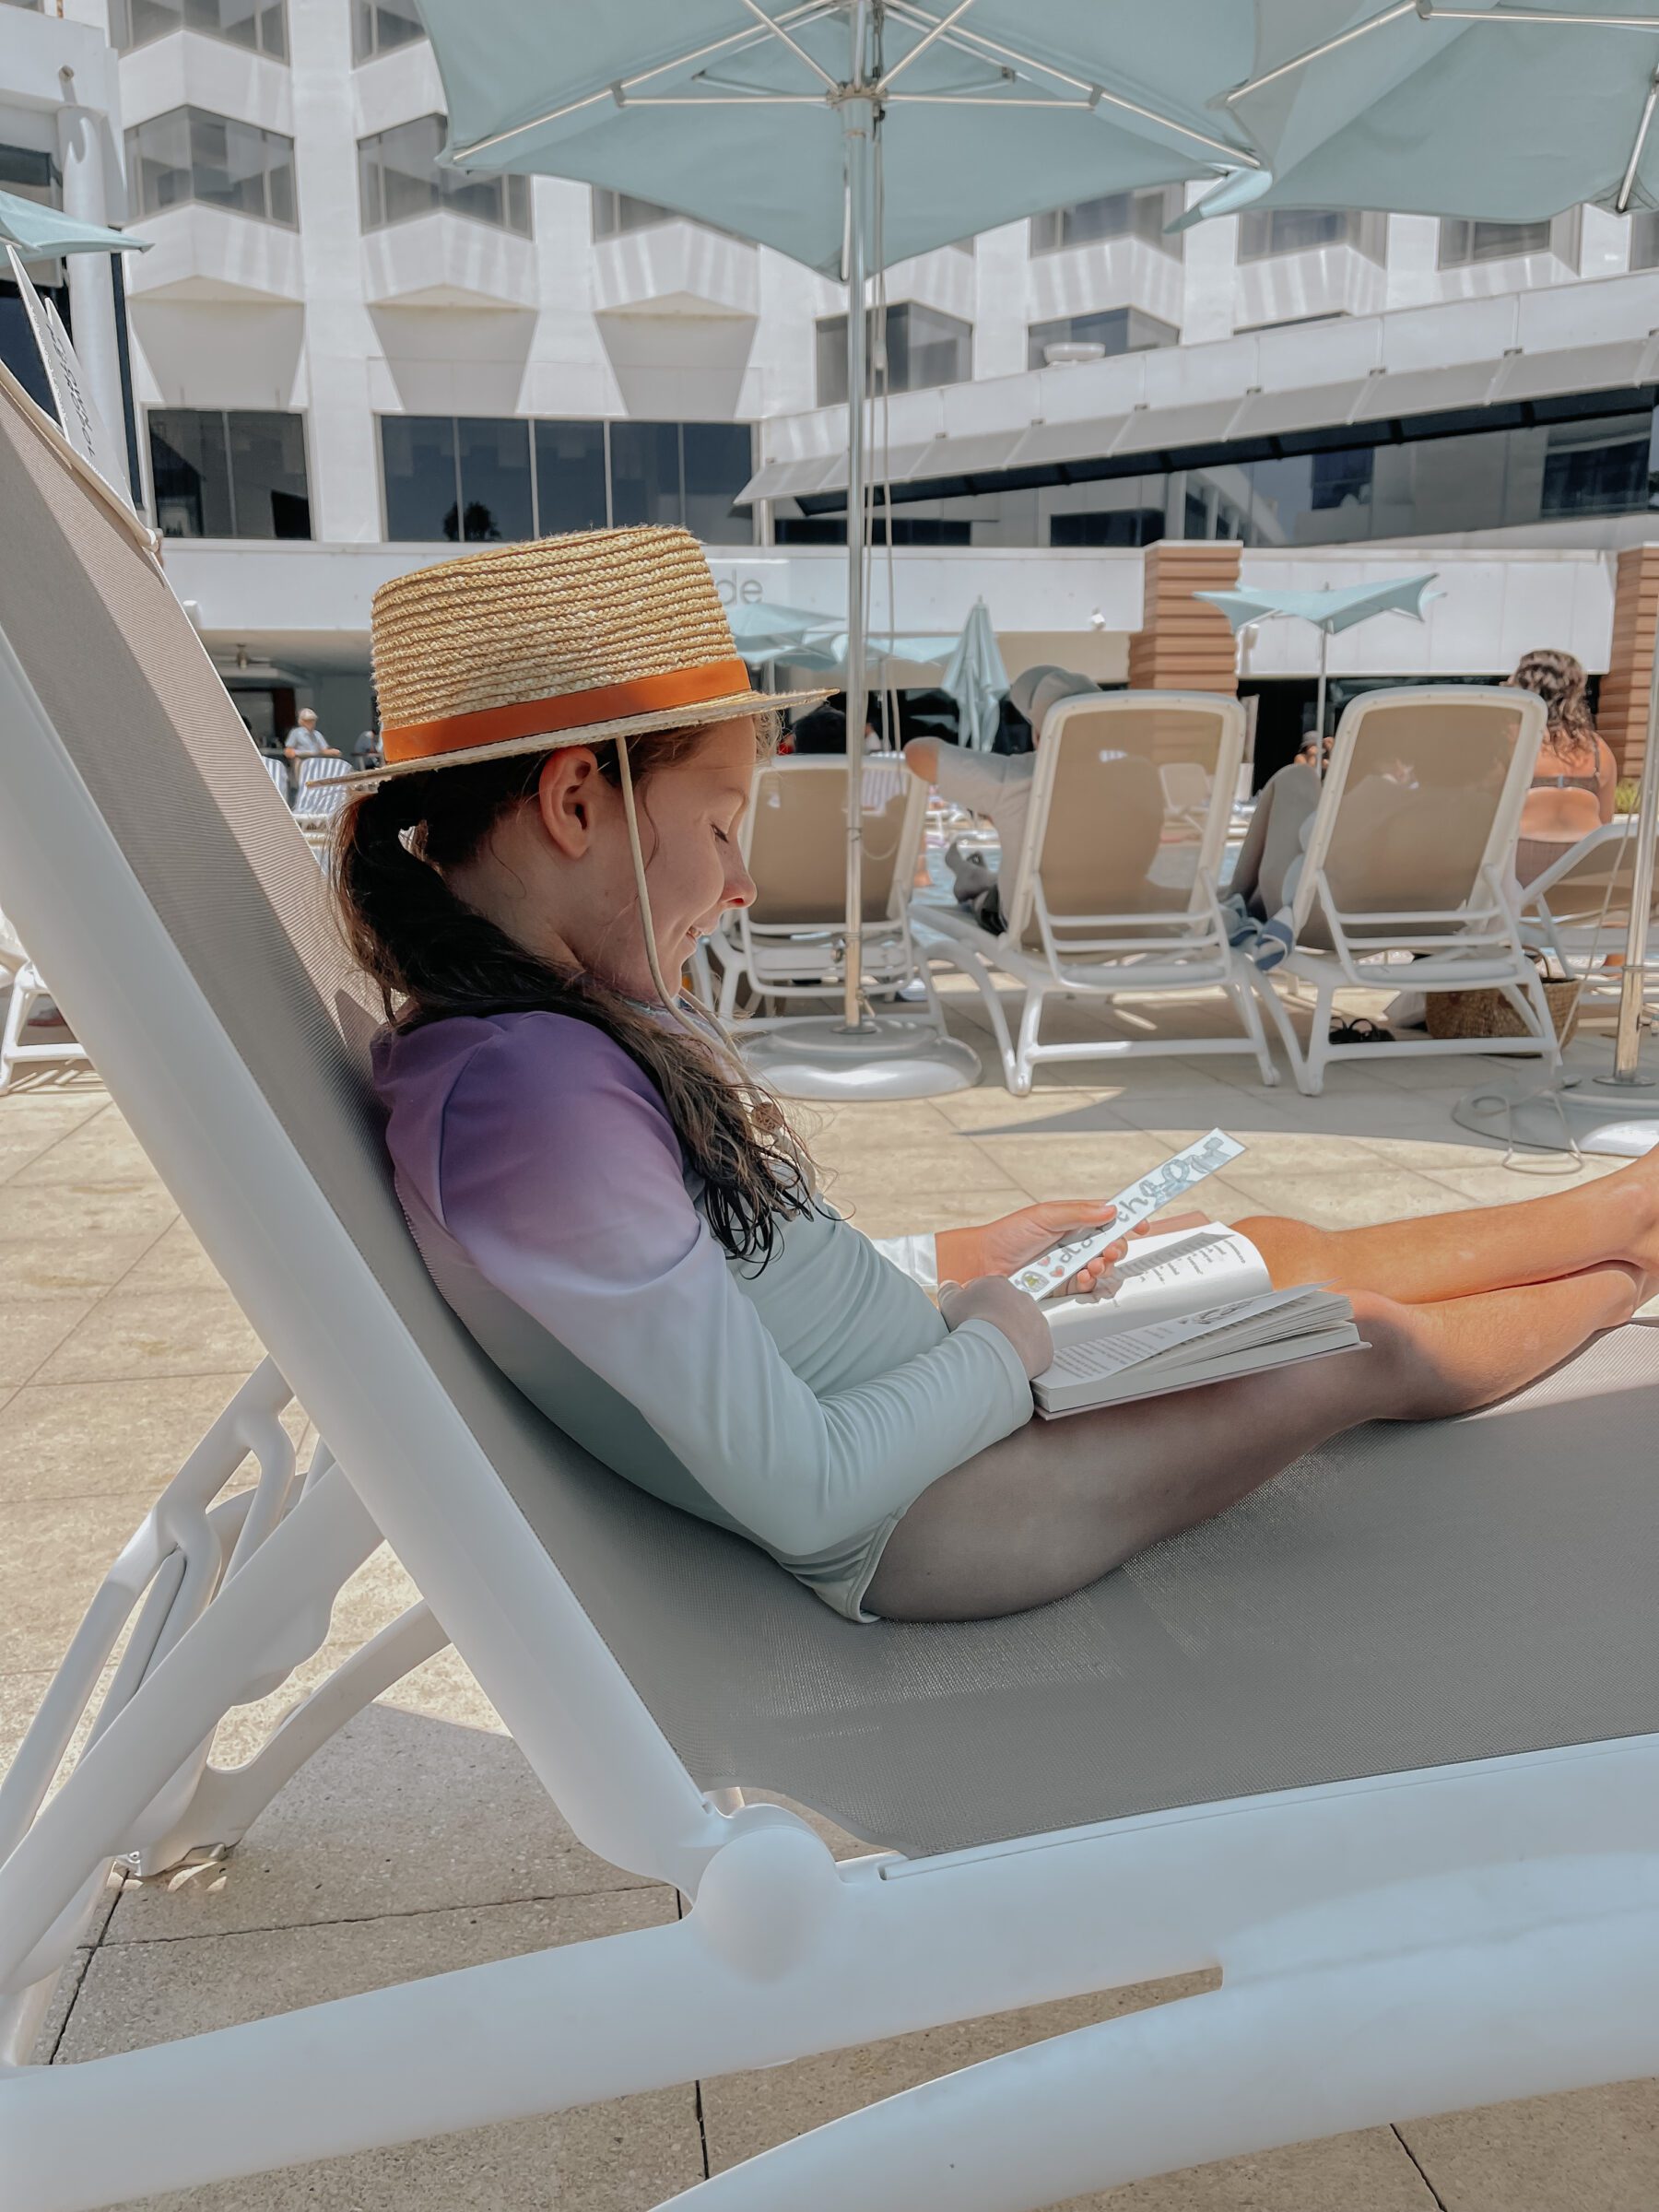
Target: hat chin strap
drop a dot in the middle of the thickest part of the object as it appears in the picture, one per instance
(670, 999)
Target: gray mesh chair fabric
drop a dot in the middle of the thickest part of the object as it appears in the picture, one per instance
(1405, 1598)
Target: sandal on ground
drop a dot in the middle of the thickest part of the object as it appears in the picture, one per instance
(1360, 1029)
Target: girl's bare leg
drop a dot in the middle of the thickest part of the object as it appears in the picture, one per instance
(1060, 1503)
(1490, 1248)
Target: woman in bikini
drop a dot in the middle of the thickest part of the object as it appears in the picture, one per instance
(636, 1237)
(1573, 784)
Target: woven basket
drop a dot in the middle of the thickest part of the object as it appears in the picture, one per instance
(1452, 1014)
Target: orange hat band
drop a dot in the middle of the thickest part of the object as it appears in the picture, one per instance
(568, 710)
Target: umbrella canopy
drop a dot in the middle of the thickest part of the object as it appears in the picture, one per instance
(1329, 610)
(977, 680)
(729, 112)
(764, 631)
(39, 231)
(884, 650)
(1488, 110)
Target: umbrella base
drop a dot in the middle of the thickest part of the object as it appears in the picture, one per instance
(892, 1056)
(1582, 1111)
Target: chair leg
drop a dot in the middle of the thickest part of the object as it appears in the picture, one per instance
(1250, 1014)
(1309, 1076)
(1279, 1015)
(20, 1005)
(1031, 1023)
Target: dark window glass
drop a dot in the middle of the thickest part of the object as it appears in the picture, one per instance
(418, 460)
(31, 174)
(270, 494)
(380, 26)
(1264, 232)
(237, 474)
(495, 477)
(923, 348)
(1116, 329)
(1644, 239)
(616, 213)
(189, 153)
(717, 467)
(1462, 243)
(399, 177)
(1121, 526)
(570, 477)
(1114, 215)
(259, 25)
(1601, 469)
(645, 472)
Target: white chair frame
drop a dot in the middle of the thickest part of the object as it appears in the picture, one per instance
(770, 958)
(28, 990)
(1582, 949)
(1479, 945)
(1388, 1946)
(1119, 958)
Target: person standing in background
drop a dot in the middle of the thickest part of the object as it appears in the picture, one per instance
(306, 741)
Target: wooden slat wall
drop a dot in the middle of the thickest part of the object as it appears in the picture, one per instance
(1183, 645)
(1622, 711)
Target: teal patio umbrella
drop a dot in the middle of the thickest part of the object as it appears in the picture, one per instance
(41, 233)
(765, 632)
(1331, 610)
(848, 134)
(977, 680)
(1478, 109)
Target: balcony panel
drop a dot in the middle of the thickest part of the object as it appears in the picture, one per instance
(1326, 280)
(1114, 272)
(443, 260)
(207, 253)
(394, 86)
(676, 269)
(186, 69)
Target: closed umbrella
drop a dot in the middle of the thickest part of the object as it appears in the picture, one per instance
(1486, 111)
(977, 680)
(1332, 609)
(848, 135)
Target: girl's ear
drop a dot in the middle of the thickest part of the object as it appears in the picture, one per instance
(567, 792)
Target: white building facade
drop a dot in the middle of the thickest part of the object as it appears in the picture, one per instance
(345, 360)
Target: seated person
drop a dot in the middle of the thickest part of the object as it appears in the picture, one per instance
(822, 731)
(1574, 781)
(642, 1244)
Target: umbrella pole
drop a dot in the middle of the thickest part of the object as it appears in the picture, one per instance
(858, 127)
(1627, 1046)
(1319, 710)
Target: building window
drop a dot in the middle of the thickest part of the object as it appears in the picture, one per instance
(240, 475)
(924, 347)
(1115, 215)
(188, 154)
(478, 480)
(31, 174)
(1644, 239)
(1464, 244)
(616, 213)
(1266, 232)
(399, 177)
(1117, 330)
(259, 25)
(1595, 469)
(383, 25)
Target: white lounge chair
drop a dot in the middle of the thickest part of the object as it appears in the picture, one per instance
(791, 942)
(1579, 910)
(1377, 1744)
(1412, 852)
(26, 994)
(277, 768)
(1114, 897)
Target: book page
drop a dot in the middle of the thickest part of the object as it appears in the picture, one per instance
(1178, 1273)
(1088, 1356)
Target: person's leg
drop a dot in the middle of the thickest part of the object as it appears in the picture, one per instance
(1490, 1248)
(1060, 1503)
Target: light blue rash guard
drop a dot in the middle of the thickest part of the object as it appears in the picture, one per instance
(805, 1404)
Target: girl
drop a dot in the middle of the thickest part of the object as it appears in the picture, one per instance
(1573, 784)
(636, 1238)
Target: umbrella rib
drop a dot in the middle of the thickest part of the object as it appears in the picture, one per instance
(1316, 54)
(735, 42)
(1539, 15)
(775, 27)
(976, 43)
(922, 44)
(1627, 183)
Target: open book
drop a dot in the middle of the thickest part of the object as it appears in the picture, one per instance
(1194, 1306)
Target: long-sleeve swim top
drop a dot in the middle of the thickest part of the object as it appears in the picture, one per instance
(803, 1401)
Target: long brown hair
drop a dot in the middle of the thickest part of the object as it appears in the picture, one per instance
(1560, 682)
(434, 958)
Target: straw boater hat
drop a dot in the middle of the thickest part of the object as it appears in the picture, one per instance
(565, 640)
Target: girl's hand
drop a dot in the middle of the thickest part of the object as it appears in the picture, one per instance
(1021, 1320)
(1002, 1246)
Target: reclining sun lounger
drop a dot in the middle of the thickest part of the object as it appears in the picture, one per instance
(1115, 896)
(1376, 1744)
(791, 942)
(1579, 910)
(1407, 882)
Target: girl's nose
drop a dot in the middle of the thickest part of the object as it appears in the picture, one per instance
(740, 885)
